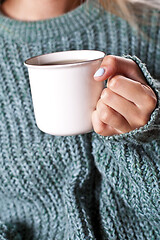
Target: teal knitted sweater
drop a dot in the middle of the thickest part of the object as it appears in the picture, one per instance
(79, 187)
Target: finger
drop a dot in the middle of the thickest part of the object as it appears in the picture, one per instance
(114, 65)
(136, 92)
(102, 128)
(121, 105)
(127, 88)
(109, 116)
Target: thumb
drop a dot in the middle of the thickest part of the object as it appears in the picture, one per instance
(115, 65)
(107, 69)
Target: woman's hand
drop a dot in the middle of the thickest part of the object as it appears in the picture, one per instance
(127, 102)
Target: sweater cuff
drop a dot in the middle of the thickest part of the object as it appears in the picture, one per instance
(9, 231)
(150, 131)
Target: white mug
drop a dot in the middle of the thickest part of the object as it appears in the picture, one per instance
(64, 92)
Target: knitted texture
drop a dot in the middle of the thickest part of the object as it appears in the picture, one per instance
(84, 186)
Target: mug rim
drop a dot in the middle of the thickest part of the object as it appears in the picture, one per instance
(30, 65)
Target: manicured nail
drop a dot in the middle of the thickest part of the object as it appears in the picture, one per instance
(99, 72)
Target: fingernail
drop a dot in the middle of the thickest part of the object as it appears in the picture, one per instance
(99, 72)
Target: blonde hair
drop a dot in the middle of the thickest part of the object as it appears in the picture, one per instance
(131, 9)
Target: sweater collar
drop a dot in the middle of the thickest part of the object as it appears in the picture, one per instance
(32, 31)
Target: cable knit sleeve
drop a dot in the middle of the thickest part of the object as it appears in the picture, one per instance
(130, 167)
